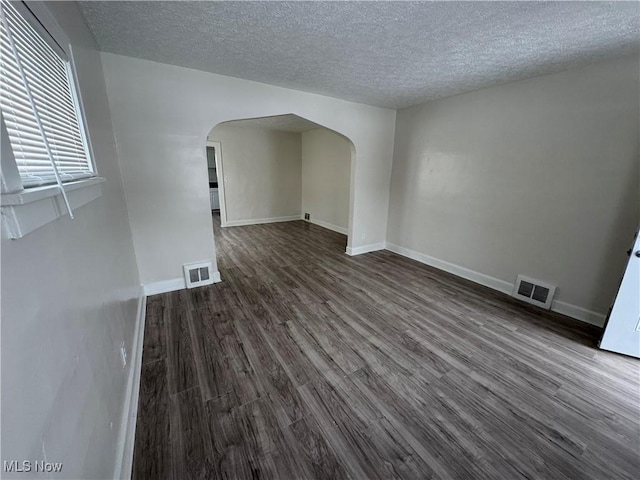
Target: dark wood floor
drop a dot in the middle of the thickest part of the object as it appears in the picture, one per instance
(306, 363)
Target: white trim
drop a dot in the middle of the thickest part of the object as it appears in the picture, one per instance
(25, 211)
(579, 313)
(126, 435)
(74, 85)
(34, 194)
(327, 225)
(258, 221)
(487, 281)
(164, 286)
(374, 247)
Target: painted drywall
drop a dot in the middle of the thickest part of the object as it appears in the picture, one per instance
(326, 171)
(161, 117)
(69, 297)
(262, 170)
(538, 177)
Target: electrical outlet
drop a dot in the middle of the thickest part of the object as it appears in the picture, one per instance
(307, 216)
(363, 236)
(123, 355)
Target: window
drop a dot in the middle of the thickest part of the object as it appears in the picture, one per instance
(46, 162)
(39, 105)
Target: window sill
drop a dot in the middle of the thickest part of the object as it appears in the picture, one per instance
(25, 211)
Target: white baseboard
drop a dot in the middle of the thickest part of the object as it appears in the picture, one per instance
(126, 436)
(216, 277)
(365, 249)
(579, 313)
(164, 286)
(487, 281)
(259, 221)
(329, 226)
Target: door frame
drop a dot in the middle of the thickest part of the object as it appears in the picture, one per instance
(220, 173)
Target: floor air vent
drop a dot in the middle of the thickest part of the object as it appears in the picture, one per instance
(198, 274)
(534, 291)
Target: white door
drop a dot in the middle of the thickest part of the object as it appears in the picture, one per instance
(622, 331)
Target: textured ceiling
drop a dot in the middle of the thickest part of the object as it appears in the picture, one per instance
(392, 54)
(283, 123)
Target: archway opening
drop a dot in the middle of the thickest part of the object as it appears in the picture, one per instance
(279, 169)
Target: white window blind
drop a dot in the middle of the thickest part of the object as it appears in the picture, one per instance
(46, 81)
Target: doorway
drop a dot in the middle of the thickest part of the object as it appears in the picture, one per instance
(216, 185)
(279, 169)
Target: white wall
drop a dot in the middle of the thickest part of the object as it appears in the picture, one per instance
(326, 172)
(162, 115)
(538, 177)
(69, 296)
(262, 170)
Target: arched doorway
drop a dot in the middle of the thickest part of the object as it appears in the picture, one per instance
(280, 168)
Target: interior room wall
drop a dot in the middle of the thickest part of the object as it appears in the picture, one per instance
(162, 115)
(538, 177)
(69, 297)
(262, 170)
(326, 171)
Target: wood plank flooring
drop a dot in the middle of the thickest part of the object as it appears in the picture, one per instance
(305, 363)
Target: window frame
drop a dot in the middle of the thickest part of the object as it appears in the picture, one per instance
(25, 209)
